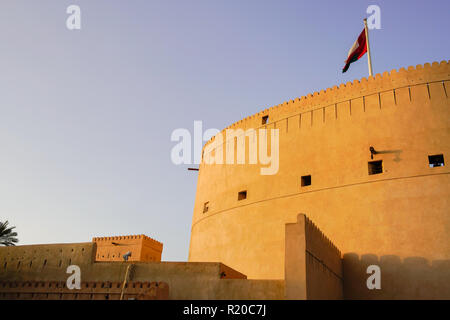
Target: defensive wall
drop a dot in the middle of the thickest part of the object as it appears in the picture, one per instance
(399, 209)
(313, 268)
(313, 271)
(23, 267)
(54, 290)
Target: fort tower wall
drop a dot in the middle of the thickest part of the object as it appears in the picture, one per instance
(403, 211)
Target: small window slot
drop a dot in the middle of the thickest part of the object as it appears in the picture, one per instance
(306, 181)
(375, 167)
(242, 195)
(436, 160)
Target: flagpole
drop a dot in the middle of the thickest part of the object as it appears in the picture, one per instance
(369, 59)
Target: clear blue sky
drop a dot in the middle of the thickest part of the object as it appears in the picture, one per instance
(86, 116)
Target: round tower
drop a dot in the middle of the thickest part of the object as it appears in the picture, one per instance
(367, 161)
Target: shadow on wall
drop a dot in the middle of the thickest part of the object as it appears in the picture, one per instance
(412, 278)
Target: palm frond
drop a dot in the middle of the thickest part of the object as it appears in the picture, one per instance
(7, 236)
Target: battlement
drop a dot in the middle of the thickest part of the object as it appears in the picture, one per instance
(142, 248)
(313, 232)
(320, 246)
(128, 237)
(312, 262)
(100, 290)
(388, 81)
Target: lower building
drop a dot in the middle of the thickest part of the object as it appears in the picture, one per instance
(314, 269)
(134, 248)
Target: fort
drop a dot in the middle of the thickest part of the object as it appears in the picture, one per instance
(362, 180)
(390, 204)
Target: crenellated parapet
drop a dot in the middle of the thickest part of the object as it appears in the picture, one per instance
(314, 234)
(375, 85)
(312, 262)
(128, 237)
(98, 290)
(140, 247)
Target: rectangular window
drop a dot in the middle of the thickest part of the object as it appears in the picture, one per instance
(242, 195)
(306, 181)
(375, 167)
(436, 160)
(206, 207)
(265, 119)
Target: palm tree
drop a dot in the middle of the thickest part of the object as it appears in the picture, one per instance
(7, 236)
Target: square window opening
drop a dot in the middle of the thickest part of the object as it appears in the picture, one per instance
(265, 119)
(375, 167)
(306, 181)
(436, 160)
(242, 195)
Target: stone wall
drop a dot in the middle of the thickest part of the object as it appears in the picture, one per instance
(22, 266)
(313, 265)
(53, 290)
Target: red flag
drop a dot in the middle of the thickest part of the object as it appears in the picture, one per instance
(357, 50)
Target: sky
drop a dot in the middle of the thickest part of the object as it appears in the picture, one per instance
(86, 116)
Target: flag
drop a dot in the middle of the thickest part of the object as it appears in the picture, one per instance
(357, 50)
